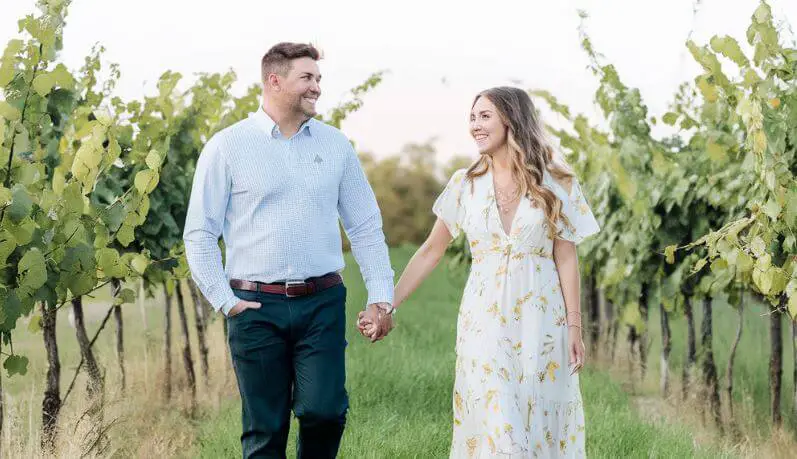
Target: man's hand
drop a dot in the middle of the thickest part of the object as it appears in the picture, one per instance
(241, 306)
(374, 323)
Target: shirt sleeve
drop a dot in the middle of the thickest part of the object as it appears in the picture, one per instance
(207, 206)
(362, 222)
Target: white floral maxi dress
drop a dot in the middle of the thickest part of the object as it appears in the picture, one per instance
(514, 396)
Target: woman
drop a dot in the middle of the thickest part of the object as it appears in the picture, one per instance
(519, 320)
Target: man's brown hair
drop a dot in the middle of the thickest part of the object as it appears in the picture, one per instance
(278, 58)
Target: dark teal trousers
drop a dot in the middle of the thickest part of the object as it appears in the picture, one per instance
(289, 354)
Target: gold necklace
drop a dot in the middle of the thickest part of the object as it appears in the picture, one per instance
(505, 197)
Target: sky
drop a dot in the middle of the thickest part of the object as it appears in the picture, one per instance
(438, 54)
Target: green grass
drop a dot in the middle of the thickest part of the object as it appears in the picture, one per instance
(400, 389)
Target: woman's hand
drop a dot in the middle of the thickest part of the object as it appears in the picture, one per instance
(577, 348)
(373, 323)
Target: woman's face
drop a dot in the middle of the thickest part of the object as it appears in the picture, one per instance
(486, 127)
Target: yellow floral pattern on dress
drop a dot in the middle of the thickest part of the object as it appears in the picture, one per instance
(514, 396)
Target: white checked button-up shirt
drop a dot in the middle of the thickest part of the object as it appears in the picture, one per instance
(276, 202)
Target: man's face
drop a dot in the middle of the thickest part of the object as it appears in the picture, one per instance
(300, 88)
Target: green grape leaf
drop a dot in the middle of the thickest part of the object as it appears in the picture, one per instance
(763, 280)
(7, 245)
(779, 281)
(154, 160)
(11, 311)
(758, 246)
(764, 262)
(23, 231)
(125, 235)
(109, 262)
(5, 196)
(74, 233)
(6, 72)
(708, 90)
(79, 269)
(73, 199)
(32, 270)
(772, 209)
(729, 48)
(114, 150)
(770, 179)
(80, 283)
(43, 83)
(8, 112)
(143, 209)
(751, 78)
(86, 129)
(21, 204)
(103, 116)
(719, 265)
(12, 48)
(146, 181)
(114, 216)
(22, 140)
(131, 219)
(28, 174)
(16, 365)
(126, 295)
(139, 263)
(62, 77)
(101, 236)
(59, 180)
(763, 13)
(670, 118)
(84, 167)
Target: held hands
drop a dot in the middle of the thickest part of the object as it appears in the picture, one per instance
(375, 323)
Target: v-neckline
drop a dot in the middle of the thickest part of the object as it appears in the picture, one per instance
(507, 234)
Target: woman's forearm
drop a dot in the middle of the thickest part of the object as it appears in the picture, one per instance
(420, 266)
(566, 259)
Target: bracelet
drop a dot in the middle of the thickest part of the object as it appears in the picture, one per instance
(574, 312)
(574, 325)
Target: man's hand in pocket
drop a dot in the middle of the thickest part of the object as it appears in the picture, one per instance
(241, 306)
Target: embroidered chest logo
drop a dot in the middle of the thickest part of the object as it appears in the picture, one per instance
(318, 159)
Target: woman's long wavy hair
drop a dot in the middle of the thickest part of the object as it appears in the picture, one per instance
(530, 152)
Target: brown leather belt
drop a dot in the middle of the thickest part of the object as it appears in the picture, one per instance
(290, 289)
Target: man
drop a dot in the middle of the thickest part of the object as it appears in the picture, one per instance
(274, 185)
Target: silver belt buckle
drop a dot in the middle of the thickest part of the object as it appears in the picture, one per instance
(288, 285)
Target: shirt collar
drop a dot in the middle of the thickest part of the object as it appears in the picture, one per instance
(271, 128)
